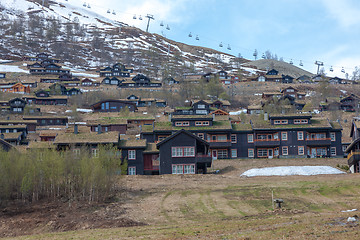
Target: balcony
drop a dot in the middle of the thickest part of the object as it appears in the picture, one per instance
(353, 157)
(267, 142)
(219, 143)
(318, 141)
(202, 158)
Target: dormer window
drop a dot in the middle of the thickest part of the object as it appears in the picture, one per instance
(280, 121)
(301, 121)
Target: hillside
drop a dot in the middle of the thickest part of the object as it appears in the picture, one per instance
(88, 38)
(283, 67)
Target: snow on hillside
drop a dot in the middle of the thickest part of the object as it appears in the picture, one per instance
(10, 68)
(291, 170)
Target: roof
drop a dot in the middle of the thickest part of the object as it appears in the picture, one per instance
(12, 126)
(315, 123)
(151, 148)
(191, 117)
(107, 121)
(178, 133)
(241, 127)
(87, 138)
(217, 125)
(12, 136)
(7, 122)
(137, 143)
(44, 117)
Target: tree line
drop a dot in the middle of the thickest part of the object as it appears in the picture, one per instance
(53, 175)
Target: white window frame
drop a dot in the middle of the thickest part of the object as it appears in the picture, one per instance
(282, 136)
(333, 136)
(250, 138)
(333, 151)
(131, 154)
(233, 138)
(285, 153)
(131, 170)
(300, 135)
(234, 153)
(250, 152)
(303, 150)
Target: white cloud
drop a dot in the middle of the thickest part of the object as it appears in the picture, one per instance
(346, 12)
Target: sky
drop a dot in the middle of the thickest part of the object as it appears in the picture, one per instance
(297, 30)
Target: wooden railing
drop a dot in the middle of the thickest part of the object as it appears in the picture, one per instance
(317, 139)
(353, 153)
(266, 140)
(219, 140)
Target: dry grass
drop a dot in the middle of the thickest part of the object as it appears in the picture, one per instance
(226, 206)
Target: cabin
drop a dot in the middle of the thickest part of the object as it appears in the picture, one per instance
(48, 120)
(86, 82)
(4, 145)
(42, 57)
(51, 100)
(17, 105)
(113, 105)
(133, 151)
(336, 80)
(108, 125)
(138, 81)
(287, 79)
(47, 69)
(15, 88)
(117, 69)
(112, 81)
(293, 92)
(30, 124)
(304, 79)
(255, 109)
(272, 72)
(353, 150)
(183, 153)
(350, 103)
(170, 81)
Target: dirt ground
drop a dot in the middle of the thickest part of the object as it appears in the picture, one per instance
(162, 207)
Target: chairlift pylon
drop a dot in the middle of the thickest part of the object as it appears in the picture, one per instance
(167, 27)
(301, 64)
(190, 35)
(134, 17)
(197, 37)
(161, 24)
(220, 45)
(331, 69)
(140, 18)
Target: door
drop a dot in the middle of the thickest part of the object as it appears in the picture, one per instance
(313, 152)
(214, 154)
(270, 153)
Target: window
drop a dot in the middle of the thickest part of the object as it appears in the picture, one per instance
(201, 106)
(344, 147)
(206, 123)
(95, 152)
(76, 152)
(107, 105)
(160, 138)
(221, 138)
(250, 152)
(333, 137)
(301, 150)
(201, 112)
(198, 123)
(233, 138)
(277, 122)
(250, 138)
(178, 124)
(285, 151)
(300, 135)
(183, 152)
(284, 121)
(262, 152)
(131, 170)
(222, 154)
(333, 151)
(131, 154)
(201, 135)
(284, 136)
(234, 153)
(183, 169)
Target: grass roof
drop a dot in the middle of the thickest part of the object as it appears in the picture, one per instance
(133, 143)
(87, 137)
(217, 125)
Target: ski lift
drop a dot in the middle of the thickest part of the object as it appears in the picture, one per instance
(114, 12)
(134, 17)
(190, 35)
(140, 18)
(263, 56)
(88, 5)
(301, 64)
(161, 24)
(84, 5)
(197, 37)
(108, 11)
(220, 45)
(343, 70)
(229, 48)
(291, 62)
(331, 69)
(167, 27)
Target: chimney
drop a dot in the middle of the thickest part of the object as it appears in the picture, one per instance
(76, 130)
(99, 129)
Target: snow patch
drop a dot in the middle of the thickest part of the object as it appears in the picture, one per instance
(9, 68)
(291, 170)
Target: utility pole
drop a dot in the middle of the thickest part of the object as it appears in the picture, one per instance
(318, 63)
(149, 16)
